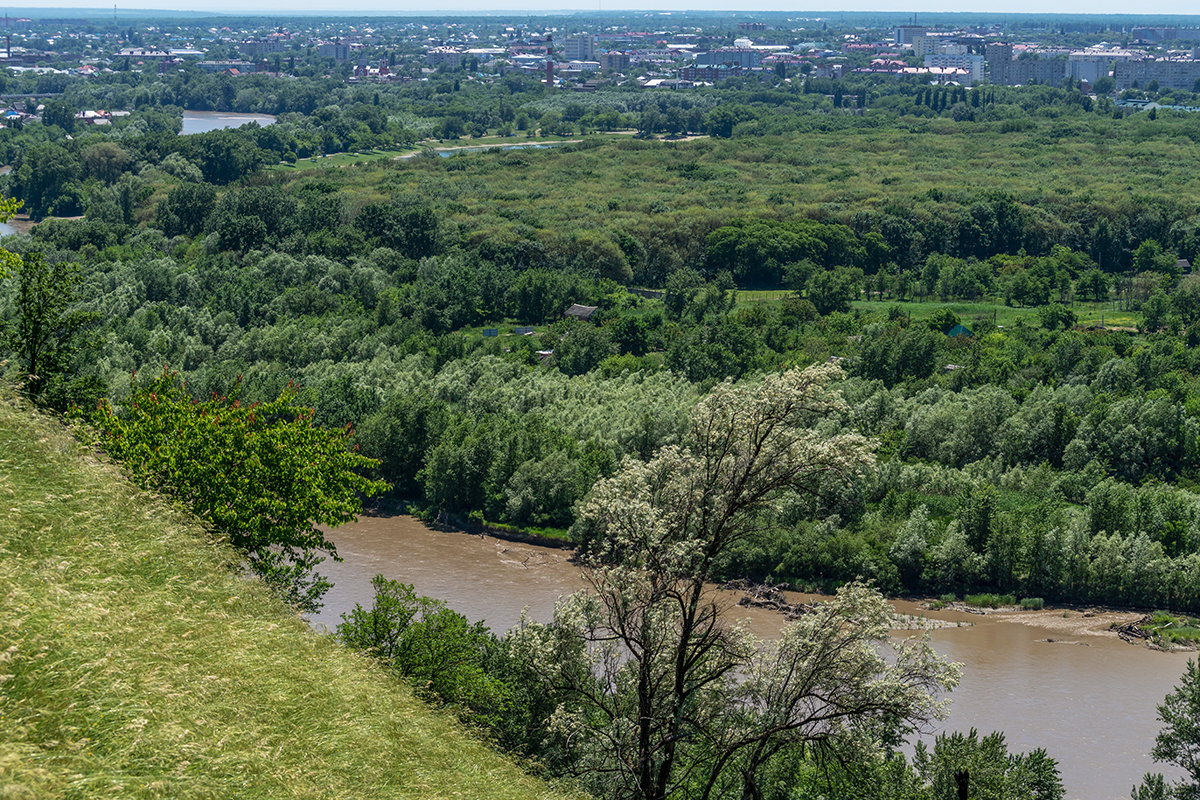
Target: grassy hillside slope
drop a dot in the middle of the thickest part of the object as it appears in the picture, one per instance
(133, 663)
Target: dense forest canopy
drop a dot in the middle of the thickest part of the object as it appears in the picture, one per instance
(1053, 232)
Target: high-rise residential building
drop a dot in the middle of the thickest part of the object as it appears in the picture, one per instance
(906, 33)
(1152, 35)
(579, 47)
(999, 58)
(743, 57)
(614, 60)
(335, 50)
(261, 47)
(971, 63)
(1093, 64)
(1167, 73)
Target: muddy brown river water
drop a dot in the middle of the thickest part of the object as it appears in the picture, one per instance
(1088, 698)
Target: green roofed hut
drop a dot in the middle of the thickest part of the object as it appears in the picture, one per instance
(959, 330)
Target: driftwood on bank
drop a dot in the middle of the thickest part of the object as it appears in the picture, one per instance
(1135, 631)
(758, 595)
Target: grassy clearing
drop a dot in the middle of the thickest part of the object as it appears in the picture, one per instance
(826, 174)
(136, 664)
(338, 160)
(990, 600)
(350, 159)
(1104, 314)
(752, 297)
(972, 313)
(1171, 629)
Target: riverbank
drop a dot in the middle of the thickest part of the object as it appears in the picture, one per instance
(18, 224)
(1130, 626)
(1092, 707)
(1090, 622)
(455, 523)
(920, 614)
(137, 661)
(1099, 622)
(205, 121)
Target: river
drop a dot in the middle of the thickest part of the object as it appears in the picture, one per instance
(1089, 700)
(16, 225)
(205, 121)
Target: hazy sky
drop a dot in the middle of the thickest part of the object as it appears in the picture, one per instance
(542, 6)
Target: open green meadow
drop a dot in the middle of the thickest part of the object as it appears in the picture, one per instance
(617, 182)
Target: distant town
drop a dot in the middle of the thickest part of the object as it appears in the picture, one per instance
(1096, 58)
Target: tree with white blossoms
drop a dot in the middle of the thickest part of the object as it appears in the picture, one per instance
(659, 696)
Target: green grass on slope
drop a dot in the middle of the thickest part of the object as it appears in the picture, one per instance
(134, 663)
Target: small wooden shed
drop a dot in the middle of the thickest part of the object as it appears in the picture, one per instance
(579, 312)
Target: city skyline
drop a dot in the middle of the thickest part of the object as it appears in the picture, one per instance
(467, 7)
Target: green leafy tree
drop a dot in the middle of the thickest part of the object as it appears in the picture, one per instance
(1178, 742)
(1056, 316)
(409, 229)
(942, 320)
(540, 295)
(105, 161)
(1092, 285)
(631, 335)
(264, 476)
(721, 121)
(582, 347)
(451, 661)
(988, 769)
(908, 548)
(57, 112)
(224, 156)
(1149, 257)
(49, 331)
(437, 648)
(658, 695)
(42, 177)
(589, 252)
(1154, 312)
(9, 261)
(186, 209)
(832, 290)
(1185, 300)
(400, 434)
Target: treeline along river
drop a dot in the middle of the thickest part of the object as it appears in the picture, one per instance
(1088, 699)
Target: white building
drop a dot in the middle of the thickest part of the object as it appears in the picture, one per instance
(1091, 65)
(973, 64)
(444, 56)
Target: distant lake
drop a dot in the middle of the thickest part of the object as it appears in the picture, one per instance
(205, 121)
